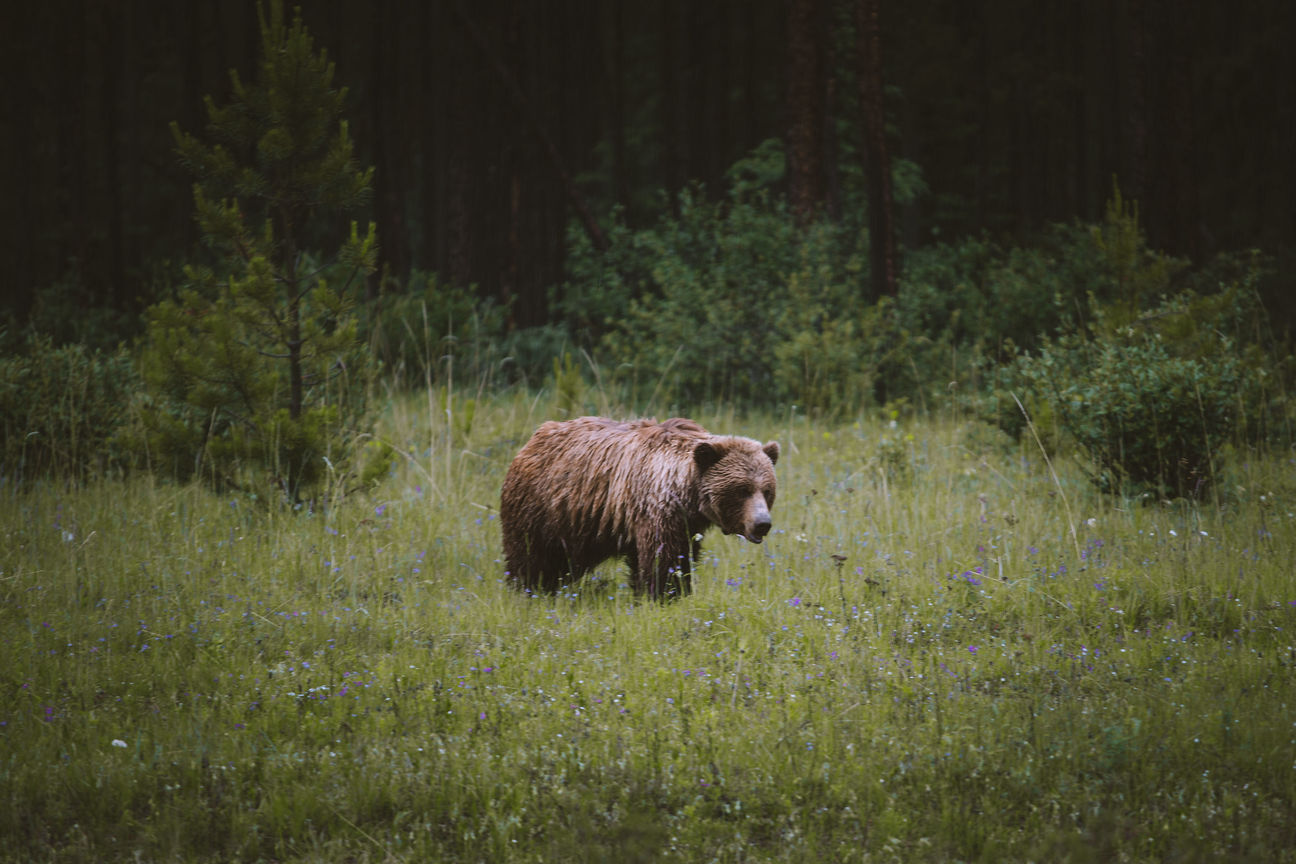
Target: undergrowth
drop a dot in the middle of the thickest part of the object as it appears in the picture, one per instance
(942, 652)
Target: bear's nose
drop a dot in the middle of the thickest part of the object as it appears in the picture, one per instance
(761, 526)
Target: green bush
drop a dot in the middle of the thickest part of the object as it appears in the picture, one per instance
(60, 408)
(731, 301)
(1225, 298)
(1135, 275)
(600, 285)
(726, 301)
(974, 292)
(974, 306)
(942, 288)
(443, 334)
(433, 329)
(68, 312)
(1150, 403)
(832, 347)
(528, 353)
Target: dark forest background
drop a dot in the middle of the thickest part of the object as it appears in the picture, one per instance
(492, 124)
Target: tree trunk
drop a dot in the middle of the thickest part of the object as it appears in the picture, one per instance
(511, 164)
(877, 163)
(389, 184)
(296, 395)
(1135, 186)
(460, 138)
(1176, 207)
(828, 124)
(984, 103)
(620, 177)
(1080, 115)
(70, 143)
(805, 109)
(110, 27)
(672, 169)
(520, 101)
(292, 320)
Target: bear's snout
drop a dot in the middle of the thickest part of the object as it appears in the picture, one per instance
(757, 524)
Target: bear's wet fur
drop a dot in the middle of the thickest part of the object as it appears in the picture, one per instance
(586, 490)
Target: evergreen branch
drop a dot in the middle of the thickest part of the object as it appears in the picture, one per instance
(346, 286)
(307, 277)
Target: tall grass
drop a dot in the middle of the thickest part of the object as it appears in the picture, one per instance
(923, 662)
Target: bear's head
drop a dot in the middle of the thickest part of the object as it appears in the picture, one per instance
(737, 484)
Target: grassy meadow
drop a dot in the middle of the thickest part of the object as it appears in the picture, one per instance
(948, 649)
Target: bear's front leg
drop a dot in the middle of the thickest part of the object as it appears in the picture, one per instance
(534, 566)
(664, 567)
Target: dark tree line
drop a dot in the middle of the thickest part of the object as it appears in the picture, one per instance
(493, 124)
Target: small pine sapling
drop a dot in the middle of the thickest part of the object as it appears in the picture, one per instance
(254, 372)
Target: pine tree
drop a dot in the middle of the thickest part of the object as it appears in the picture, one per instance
(255, 371)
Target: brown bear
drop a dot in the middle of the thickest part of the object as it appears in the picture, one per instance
(589, 489)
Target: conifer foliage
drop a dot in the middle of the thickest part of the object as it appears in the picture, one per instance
(255, 371)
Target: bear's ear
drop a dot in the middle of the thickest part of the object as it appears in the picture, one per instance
(706, 454)
(772, 451)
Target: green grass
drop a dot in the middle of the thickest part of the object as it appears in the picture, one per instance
(941, 653)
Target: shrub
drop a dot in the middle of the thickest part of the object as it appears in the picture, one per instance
(832, 347)
(701, 287)
(732, 301)
(1136, 276)
(433, 329)
(600, 285)
(60, 408)
(725, 301)
(67, 311)
(974, 305)
(942, 289)
(973, 291)
(1150, 403)
(527, 354)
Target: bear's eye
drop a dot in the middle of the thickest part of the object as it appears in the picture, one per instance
(769, 497)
